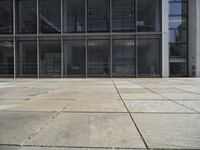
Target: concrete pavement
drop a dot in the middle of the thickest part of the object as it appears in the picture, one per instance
(98, 114)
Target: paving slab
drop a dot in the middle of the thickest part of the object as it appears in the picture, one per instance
(181, 131)
(102, 105)
(16, 127)
(135, 90)
(183, 96)
(141, 96)
(9, 147)
(45, 105)
(90, 129)
(156, 106)
(192, 104)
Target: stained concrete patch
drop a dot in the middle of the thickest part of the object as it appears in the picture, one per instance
(93, 130)
(155, 106)
(15, 127)
(180, 131)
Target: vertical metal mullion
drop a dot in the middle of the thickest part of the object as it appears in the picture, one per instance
(62, 42)
(111, 46)
(38, 47)
(135, 41)
(86, 41)
(14, 39)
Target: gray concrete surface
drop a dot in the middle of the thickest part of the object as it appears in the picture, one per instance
(97, 114)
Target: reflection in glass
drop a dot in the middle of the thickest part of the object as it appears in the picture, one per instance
(178, 36)
(148, 56)
(178, 8)
(6, 59)
(98, 58)
(123, 15)
(178, 50)
(6, 16)
(26, 59)
(74, 16)
(178, 69)
(26, 16)
(148, 15)
(74, 58)
(50, 58)
(50, 16)
(123, 55)
(98, 16)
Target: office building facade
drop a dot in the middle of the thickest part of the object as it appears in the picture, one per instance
(99, 38)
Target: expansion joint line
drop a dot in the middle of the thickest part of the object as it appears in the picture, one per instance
(42, 127)
(134, 122)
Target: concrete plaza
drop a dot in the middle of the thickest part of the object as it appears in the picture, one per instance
(98, 114)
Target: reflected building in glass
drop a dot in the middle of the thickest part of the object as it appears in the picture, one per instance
(99, 38)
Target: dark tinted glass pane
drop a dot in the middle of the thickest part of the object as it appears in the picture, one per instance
(26, 16)
(148, 53)
(6, 59)
(50, 16)
(123, 12)
(74, 58)
(179, 50)
(178, 36)
(98, 16)
(98, 58)
(123, 62)
(50, 58)
(148, 15)
(177, 22)
(26, 59)
(74, 15)
(178, 69)
(178, 8)
(6, 16)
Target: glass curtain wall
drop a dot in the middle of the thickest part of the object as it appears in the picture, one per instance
(6, 16)
(148, 57)
(94, 38)
(50, 58)
(74, 58)
(123, 15)
(98, 15)
(123, 58)
(98, 58)
(50, 16)
(178, 37)
(26, 16)
(74, 16)
(26, 58)
(6, 59)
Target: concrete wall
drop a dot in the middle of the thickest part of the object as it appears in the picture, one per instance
(165, 38)
(194, 38)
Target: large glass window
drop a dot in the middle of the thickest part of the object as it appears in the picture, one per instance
(148, 56)
(6, 58)
(178, 37)
(98, 15)
(26, 16)
(123, 58)
(74, 58)
(148, 15)
(50, 59)
(74, 16)
(98, 58)
(50, 16)
(6, 16)
(123, 15)
(26, 60)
